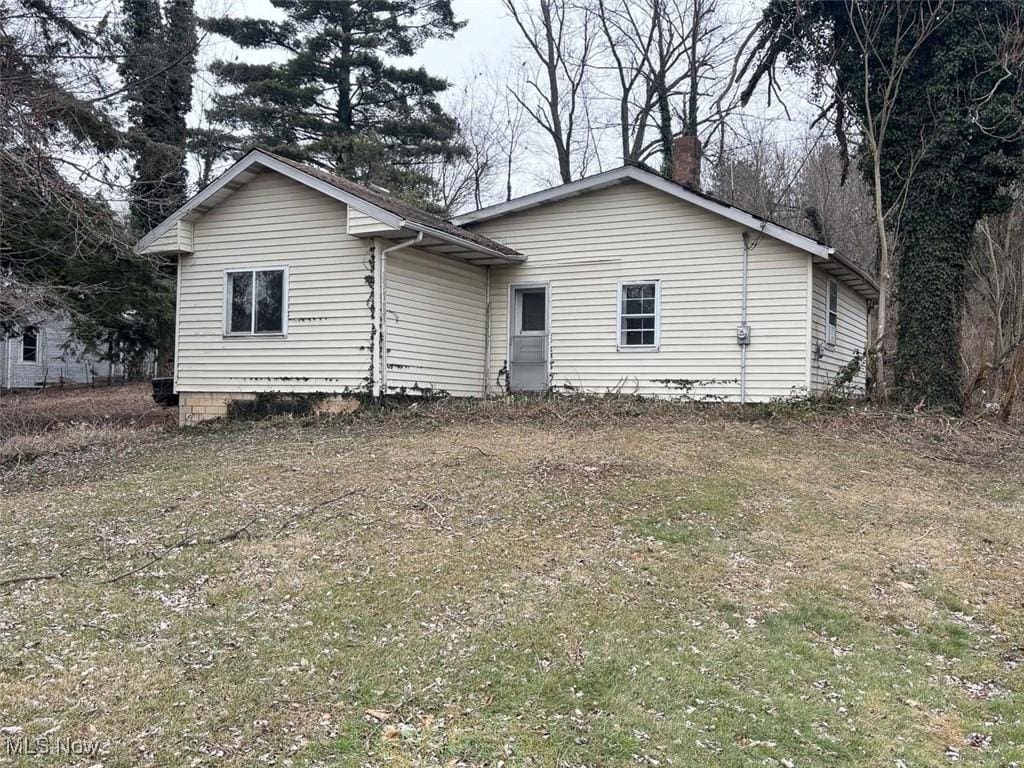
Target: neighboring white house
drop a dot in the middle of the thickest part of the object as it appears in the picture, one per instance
(47, 354)
(293, 280)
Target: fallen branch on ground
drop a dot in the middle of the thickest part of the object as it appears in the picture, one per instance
(186, 541)
(59, 574)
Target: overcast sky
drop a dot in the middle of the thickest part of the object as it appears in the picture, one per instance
(489, 40)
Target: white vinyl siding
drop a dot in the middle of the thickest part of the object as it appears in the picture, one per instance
(362, 224)
(586, 246)
(851, 333)
(177, 239)
(435, 324)
(275, 222)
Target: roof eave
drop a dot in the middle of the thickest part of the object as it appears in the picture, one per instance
(512, 258)
(867, 285)
(268, 162)
(633, 173)
(854, 276)
(256, 157)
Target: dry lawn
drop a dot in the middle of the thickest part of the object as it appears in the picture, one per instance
(42, 423)
(547, 583)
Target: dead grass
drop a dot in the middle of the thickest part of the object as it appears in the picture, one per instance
(45, 410)
(526, 583)
(62, 421)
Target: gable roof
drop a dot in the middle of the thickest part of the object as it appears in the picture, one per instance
(855, 276)
(386, 209)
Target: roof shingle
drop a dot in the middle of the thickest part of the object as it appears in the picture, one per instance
(393, 205)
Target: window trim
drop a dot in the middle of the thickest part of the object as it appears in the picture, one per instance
(226, 318)
(656, 346)
(831, 330)
(35, 355)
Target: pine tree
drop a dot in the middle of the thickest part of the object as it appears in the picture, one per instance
(158, 65)
(338, 100)
(46, 116)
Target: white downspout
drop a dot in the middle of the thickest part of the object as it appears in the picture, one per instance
(487, 334)
(382, 307)
(743, 332)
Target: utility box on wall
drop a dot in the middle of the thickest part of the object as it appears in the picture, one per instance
(743, 335)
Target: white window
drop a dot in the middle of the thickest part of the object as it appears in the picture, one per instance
(30, 345)
(639, 307)
(256, 301)
(832, 312)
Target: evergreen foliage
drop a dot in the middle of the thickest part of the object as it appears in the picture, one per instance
(63, 249)
(337, 99)
(157, 67)
(46, 114)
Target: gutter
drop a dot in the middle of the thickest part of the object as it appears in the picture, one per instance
(382, 306)
(487, 333)
(440, 235)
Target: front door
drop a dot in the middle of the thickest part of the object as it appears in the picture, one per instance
(528, 341)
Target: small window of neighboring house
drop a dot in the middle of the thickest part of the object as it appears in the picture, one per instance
(30, 345)
(832, 318)
(639, 323)
(256, 301)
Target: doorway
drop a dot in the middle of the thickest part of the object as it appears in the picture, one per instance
(528, 339)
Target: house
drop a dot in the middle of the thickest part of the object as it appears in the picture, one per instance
(47, 354)
(294, 280)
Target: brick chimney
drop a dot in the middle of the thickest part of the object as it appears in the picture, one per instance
(686, 153)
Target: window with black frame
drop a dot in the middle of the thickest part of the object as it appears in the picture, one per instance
(255, 301)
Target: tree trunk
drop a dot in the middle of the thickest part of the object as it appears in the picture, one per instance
(931, 278)
(880, 393)
(508, 176)
(665, 123)
(344, 85)
(1014, 377)
(561, 141)
(691, 116)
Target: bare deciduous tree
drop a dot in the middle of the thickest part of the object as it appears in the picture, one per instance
(994, 325)
(641, 71)
(562, 42)
(491, 124)
(797, 181)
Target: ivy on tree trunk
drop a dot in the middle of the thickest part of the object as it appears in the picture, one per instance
(931, 285)
(954, 143)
